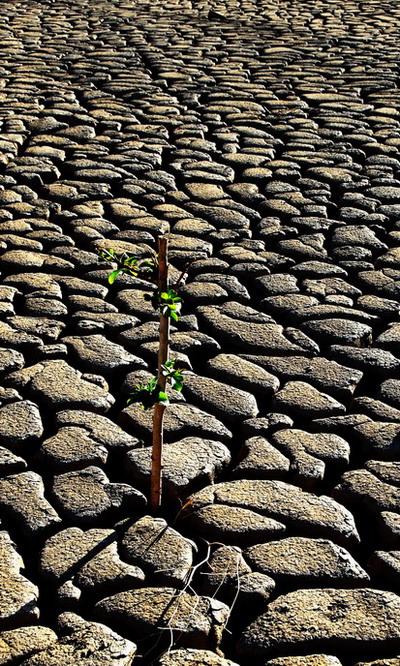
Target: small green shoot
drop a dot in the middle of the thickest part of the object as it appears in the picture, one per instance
(170, 304)
(174, 375)
(143, 267)
(149, 394)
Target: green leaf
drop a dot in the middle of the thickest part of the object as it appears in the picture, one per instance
(173, 295)
(174, 316)
(113, 275)
(177, 385)
(163, 399)
(107, 255)
(147, 263)
(152, 384)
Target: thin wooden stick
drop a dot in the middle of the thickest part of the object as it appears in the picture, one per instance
(163, 352)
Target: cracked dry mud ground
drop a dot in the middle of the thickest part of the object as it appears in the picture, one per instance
(264, 138)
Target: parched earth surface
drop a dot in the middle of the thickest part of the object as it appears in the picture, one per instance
(263, 137)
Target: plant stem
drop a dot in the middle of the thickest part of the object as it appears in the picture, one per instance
(163, 351)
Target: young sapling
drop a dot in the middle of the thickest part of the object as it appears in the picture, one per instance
(168, 303)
